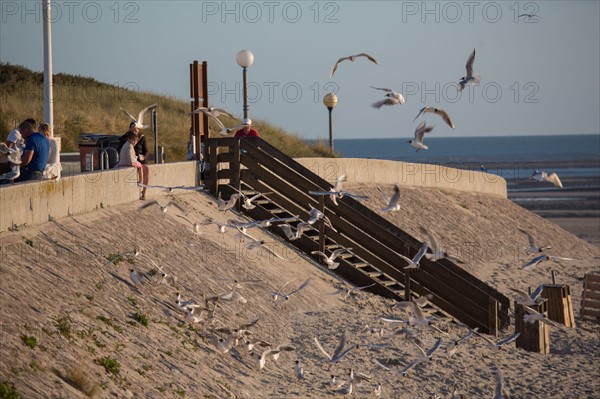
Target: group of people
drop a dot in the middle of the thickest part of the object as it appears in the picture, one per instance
(38, 154)
(35, 152)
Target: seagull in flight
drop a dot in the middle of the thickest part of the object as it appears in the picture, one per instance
(338, 183)
(213, 114)
(536, 261)
(338, 194)
(437, 252)
(352, 58)
(393, 201)
(295, 234)
(436, 111)
(171, 190)
(163, 208)
(391, 98)
(541, 176)
(247, 201)
(329, 260)
(533, 248)
(523, 298)
(470, 77)
(340, 351)
(223, 205)
(420, 131)
(348, 291)
(414, 262)
(139, 122)
(498, 345)
(316, 214)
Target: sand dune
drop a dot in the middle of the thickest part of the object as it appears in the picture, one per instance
(57, 286)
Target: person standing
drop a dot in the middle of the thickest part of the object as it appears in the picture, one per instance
(35, 155)
(246, 130)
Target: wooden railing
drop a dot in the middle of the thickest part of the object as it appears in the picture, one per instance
(254, 164)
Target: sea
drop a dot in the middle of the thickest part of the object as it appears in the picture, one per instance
(512, 157)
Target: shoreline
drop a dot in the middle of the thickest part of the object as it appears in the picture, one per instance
(575, 208)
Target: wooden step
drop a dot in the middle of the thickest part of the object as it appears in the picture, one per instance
(374, 273)
(360, 265)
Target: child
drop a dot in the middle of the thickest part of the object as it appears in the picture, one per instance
(127, 157)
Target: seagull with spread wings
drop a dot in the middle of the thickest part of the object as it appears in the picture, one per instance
(393, 201)
(139, 121)
(436, 111)
(213, 114)
(420, 131)
(163, 208)
(533, 248)
(470, 77)
(352, 58)
(541, 176)
(391, 98)
(330, 260)
(536, 261)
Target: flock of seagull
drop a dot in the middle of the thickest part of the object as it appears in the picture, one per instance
(227, 340)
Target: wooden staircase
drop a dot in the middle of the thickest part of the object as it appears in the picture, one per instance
(253, 165)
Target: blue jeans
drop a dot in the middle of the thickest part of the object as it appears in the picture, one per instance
(30, 174)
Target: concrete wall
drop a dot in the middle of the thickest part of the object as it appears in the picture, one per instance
(406, 174)
(37, 202)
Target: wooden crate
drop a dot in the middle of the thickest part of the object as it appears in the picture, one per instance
(590, 303)
(560, 305)
(534, 337)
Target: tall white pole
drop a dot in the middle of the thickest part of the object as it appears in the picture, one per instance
(48, 96)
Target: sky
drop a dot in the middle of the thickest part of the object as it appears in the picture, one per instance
(539, 75)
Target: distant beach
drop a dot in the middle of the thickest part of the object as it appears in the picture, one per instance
(576, 159)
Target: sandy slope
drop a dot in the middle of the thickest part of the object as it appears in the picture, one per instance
(56, 286)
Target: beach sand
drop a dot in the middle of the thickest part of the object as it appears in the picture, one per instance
(85, 314)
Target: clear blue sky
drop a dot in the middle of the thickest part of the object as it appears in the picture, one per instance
(538, 75)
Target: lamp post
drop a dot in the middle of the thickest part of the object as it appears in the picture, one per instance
(244, 59)
(330, 100)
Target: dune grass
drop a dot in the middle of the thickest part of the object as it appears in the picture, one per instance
(84, 105)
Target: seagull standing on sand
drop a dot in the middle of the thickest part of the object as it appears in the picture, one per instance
(299, 370)
(420, 131)
(352, 58)
(470, 77)
(540, 176)
(391, 98)
(436, 111)
(139, 122)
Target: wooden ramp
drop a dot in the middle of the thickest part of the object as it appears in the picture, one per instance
(252, 164)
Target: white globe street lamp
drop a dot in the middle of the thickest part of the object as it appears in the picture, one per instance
(244, 59)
